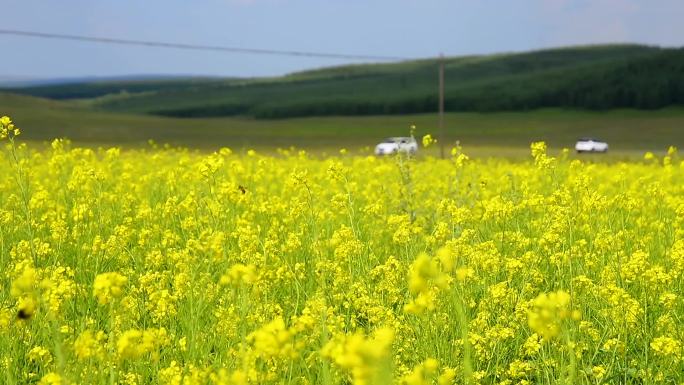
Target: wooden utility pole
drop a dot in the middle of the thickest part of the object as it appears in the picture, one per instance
(442, 139)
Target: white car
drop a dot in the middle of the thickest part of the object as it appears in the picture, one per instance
(590, 145)
(397, 144)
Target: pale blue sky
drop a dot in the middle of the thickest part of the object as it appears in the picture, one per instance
(407, 28)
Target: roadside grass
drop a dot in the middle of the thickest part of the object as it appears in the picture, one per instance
(629, 133)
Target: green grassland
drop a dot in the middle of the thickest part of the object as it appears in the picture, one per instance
(629, 132)
(595, 78)
(629, 95)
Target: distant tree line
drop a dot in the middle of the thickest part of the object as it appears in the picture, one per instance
(596, 78)
(651, 83)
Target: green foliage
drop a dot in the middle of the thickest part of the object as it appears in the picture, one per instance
(597, 77)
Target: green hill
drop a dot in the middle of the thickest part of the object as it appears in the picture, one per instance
(594, 77)
(88, 89)
(629, 132)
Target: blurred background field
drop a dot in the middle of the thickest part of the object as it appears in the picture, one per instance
(629, 132)
(627, 95)
(598, 77)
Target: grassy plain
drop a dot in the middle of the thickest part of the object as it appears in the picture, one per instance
(629, 132)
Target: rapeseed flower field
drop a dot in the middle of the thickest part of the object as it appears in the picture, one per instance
(166, 266)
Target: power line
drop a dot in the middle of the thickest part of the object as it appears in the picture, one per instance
(197, 47)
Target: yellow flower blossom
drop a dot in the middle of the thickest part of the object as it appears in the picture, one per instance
(40, 355)
(273, 340)
(363, 357)
(88, 345)
(7, 128)
(134, 343)
(548, 313)
(599, 372)
(667, 347)
(108, 286)
(240, 275)
(428, 140)
(52, 379)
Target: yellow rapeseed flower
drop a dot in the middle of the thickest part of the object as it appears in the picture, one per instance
(108, 286)
(548, 313)
(667, 347)
(52, 378)
(40, 355)
(273, 340)
(239, 275)
(7, 128)
(425, 280)
(134, 343)
(361, 356)
(428, 140)
(88, 345)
